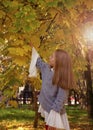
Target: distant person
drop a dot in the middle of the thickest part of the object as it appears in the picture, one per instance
(57, 80)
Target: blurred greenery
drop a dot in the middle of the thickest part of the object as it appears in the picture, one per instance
(23, 118)
(78, 115)
(16, 114)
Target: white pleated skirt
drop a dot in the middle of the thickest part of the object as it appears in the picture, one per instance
(54, 119)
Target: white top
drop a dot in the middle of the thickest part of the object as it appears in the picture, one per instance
(32, 68)
(55, 119)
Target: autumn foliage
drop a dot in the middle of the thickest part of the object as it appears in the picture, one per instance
(48, 25)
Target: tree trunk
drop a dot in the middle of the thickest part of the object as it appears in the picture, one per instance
(36, 110)
(89, 89)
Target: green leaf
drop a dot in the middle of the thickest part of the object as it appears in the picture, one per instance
(2, 14)
(13, 81)
(1, 41)
(6, 3)
(27, 28)
(52, 4)
(33, 1)
(14, 4)
(69, 3)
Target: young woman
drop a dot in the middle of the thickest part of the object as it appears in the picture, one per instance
(57, 79)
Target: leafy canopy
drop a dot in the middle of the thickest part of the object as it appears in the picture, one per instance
(47, 24)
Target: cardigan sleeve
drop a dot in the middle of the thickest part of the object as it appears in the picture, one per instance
(32, 68)
(60, 100)
(40, 64)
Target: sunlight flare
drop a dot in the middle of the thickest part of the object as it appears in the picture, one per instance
(88, 32)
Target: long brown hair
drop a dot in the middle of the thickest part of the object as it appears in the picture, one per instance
(63, 74)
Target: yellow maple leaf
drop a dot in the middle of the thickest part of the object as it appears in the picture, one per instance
(13, 103)
(20, 60)
(26, 48)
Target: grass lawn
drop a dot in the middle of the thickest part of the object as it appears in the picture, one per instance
(23, 118)
(78, 119)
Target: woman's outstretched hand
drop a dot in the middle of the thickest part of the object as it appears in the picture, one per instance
(31, 44)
